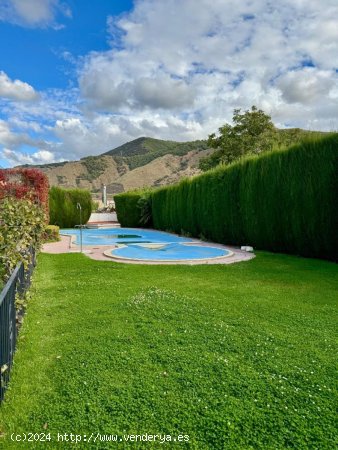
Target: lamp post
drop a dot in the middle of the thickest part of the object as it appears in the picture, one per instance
(78, 206)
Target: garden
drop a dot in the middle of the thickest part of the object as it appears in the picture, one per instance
(238, 356)
(234, 356)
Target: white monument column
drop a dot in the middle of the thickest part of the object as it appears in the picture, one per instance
(104, 195)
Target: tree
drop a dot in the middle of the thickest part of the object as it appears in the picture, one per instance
(252, 133)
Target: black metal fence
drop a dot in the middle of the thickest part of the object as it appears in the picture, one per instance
(17, 285)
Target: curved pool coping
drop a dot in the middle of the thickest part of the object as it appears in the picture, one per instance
(110, 254)
(96, 252)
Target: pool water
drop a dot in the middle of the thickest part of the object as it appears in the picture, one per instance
(168, 252)
(145, 245)
(112, 236)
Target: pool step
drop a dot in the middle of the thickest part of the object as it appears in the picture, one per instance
(103, 225)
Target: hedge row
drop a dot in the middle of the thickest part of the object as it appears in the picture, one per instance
(22, 224)
(283, 201)
(63, 206)
(127, 209)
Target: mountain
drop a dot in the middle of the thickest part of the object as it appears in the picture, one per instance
(136, 164)
(144, 162)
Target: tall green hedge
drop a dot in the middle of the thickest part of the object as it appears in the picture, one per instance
(62, 206)
(127, 209)
(283, 201)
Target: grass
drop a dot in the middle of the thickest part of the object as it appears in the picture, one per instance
(235, 357)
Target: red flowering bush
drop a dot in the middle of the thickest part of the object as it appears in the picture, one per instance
(23, 215)
(25, 183)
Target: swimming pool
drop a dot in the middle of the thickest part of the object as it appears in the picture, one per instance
(145, 245)
(112, 236)
(167, 252)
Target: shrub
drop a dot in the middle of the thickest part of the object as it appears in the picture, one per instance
(145, 209)
(51, 233)
(95, 205)
(63, 206)
(283, 201)
(127, 210)
(22, 224)
(133, 208)
(25, 183)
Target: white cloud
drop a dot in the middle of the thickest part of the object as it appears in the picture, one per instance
(12, 141)
(25, 125)
(44, 156)
(53, 104)
(33, 13)
(177, 69)
(8, 138)
(18, 158)
(16, 89)
(80, 138)
(307, 85)
(163, 92)
(207, 58)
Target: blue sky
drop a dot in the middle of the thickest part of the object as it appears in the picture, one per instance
(35, 54)
(79, 77)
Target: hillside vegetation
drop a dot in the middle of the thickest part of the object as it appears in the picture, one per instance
(143, 150)
(143, 162)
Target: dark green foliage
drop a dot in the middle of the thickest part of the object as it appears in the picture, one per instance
(211, 161)
(284, 201)
(134, 208)
(135, 147)
(252, 133)
(46, 166)
(291, 136)
(95, 166)
(142, 151)
(144, 145)
(127, 210)
(63, 210)
(22, 224)
(145, 207)
(165, 148)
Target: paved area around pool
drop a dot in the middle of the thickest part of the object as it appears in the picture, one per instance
(97, 253)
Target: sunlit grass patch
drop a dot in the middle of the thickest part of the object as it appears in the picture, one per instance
(237, 357)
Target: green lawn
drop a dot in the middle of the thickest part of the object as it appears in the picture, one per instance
(235, 357)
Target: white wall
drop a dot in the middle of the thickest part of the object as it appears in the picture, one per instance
(103, 217)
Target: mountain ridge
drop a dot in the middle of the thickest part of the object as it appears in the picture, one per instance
(142, 162)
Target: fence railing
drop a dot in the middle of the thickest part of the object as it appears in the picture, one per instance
(17, 284)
